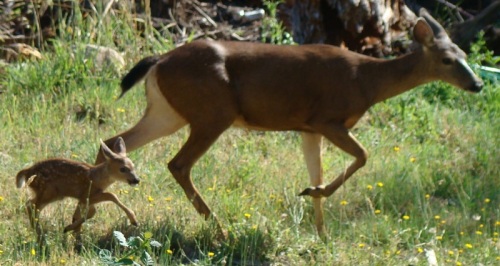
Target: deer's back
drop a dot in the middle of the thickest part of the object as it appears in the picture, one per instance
(59, 178)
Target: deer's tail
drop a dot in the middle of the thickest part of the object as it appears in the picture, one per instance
(21, 178)
(138, 72)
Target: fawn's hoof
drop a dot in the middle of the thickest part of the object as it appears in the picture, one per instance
(315, 192)
(134, 223)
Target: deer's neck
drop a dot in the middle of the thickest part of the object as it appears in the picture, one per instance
(100, 176)
(397, 76)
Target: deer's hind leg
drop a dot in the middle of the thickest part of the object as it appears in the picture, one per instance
(33, 209)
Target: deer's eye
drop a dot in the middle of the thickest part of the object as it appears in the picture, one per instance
(447, 61)
(124, 170)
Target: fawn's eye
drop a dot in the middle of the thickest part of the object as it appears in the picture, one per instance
(124, 170)
(447, 61)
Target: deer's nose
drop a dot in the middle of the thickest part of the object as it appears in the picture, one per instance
(477, 86)
(134, 180)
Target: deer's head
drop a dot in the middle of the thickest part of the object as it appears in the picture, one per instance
(120, 167)
(445, 60)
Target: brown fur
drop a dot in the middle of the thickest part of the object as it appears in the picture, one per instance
(319, 90)
(55, 179)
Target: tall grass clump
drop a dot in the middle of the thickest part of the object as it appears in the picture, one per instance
(430, 185)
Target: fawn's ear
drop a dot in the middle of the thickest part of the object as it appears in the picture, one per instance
(107, 152)
(119, 146)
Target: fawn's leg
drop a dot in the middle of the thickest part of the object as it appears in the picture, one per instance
(108, 196)
(311, 147)
(78, 220)
(33, 209)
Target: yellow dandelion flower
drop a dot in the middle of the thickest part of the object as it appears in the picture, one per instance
(33, 252)
(443, 221)
(73, 155)
(369, 187)
(1, 198)
(481, 225)
(210, 189)
(495, 234)
(62, 261)
(380, 184)
(398, 252)
(211, 254)
(460, 251)
(451, 253)
(121, 110)
(248, 215)
(406, 217)
(420, 250)
(343, 203)
(396, 148)
(272, 196)
(498, 258)
(479, 233)
(427, 196)
(150, 199)
(169, 252)
(439, 238)
(497, 223)
(413, 159)
(469, 246)
(148, 235)
(378, 211)
(168, 198)
(437, 217)
(1, 252)
(254, 227)
(361, 245)
(487, 200)
(461, 233)
(458, 263)
(136, 189)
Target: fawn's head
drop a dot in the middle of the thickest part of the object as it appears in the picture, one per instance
(120, 167)
(445, 60)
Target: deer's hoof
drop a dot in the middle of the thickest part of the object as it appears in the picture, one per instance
(315, 192)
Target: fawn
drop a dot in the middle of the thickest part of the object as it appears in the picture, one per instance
(55, 179)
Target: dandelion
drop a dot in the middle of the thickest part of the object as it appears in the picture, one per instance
(495, 234)
(380, 184)
(254, 227)
(406, 217)
(469, 246)
(479, 233)
(369, 187)
(150, 199)
(420, 250)
(427, 196)
(461, 233)
(459, 263)
(361, 245)
(33, 252)
(343, 203)
(412, 159)
(211, 254)
(62, 261)
(443, 221)
(498, 258)
(487, 200)
(481, 225)
(378, 211)
(248, 215)
(136, 189)
(169, 252)
(396, 148)
(1, 252)
(73, 155)
(497, 223)
(437, 217)
(439, 238)
(120, 110)
(451, 253)
(148, 235)
(168, 198)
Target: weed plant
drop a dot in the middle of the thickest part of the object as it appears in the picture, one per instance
(431, 184)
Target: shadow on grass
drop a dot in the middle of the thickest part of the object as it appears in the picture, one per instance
(244, 245)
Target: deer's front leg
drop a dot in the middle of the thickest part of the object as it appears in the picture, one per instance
(108, 196)
(342, 138)
(78, 220)
(311, 147)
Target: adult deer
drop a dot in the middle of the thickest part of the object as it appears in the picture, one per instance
(319, 90)
(55, 179)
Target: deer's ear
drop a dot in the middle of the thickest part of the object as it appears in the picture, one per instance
(119, 146)
(107, 152)
(422, 33)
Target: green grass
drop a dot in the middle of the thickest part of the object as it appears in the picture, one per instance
(431, 182)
